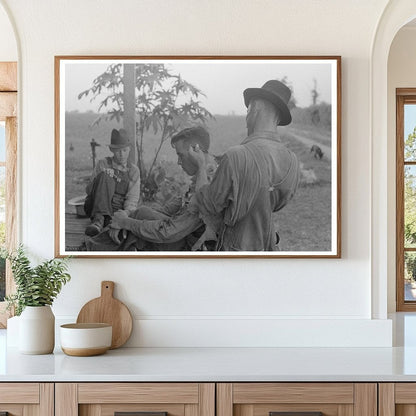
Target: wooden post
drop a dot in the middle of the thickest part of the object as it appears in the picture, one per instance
(11, 196)
(129, 98)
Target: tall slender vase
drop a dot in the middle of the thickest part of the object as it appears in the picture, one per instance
(37, 330)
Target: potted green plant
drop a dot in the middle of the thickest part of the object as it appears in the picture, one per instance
(36, 289)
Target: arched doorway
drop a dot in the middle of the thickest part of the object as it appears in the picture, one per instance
(395, 16)
(8, 150)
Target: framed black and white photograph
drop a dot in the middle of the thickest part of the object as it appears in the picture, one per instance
(198, 156)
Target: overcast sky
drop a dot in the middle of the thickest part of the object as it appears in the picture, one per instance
(409, 119)
(223, 82)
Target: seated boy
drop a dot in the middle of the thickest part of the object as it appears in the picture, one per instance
(114, 185)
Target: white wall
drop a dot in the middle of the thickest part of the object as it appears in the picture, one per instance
(8, 46)
(401, 74)
(190, 301)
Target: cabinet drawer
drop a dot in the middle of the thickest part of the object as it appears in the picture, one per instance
(148, 399)
(21, 399)
(309, 399)
(19, 393)
(138, 393)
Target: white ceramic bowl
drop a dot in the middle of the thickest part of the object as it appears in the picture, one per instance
(83, 340)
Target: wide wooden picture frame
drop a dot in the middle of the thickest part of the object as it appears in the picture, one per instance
(142, 102)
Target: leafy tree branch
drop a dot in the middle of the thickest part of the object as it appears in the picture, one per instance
(164, 104)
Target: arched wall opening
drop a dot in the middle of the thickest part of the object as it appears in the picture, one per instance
(396, 15)
(8, 139)
(401, 73)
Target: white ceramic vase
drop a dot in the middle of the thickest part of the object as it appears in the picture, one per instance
(37, 330)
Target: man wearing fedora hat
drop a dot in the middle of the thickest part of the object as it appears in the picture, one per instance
(254, 179)
(114, 185)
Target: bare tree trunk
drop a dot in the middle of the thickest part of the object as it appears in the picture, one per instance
(129, 99)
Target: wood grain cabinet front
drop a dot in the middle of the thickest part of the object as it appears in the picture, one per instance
(397, 399)
(208, 399)
(26, 399)
(141, 399)
(296, 399)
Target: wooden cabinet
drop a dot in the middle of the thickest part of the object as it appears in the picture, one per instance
(397, 399)
(263, 399)
(106, 399)
(208, 399)
(27, 399)
(222, 399)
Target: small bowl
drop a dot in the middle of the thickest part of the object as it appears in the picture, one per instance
(84, 340)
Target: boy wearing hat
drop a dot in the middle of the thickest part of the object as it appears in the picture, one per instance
(114, 185)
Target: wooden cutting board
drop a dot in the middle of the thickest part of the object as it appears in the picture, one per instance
(109, 310)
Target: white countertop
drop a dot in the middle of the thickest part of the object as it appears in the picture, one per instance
(215, 364)
(222, 364)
